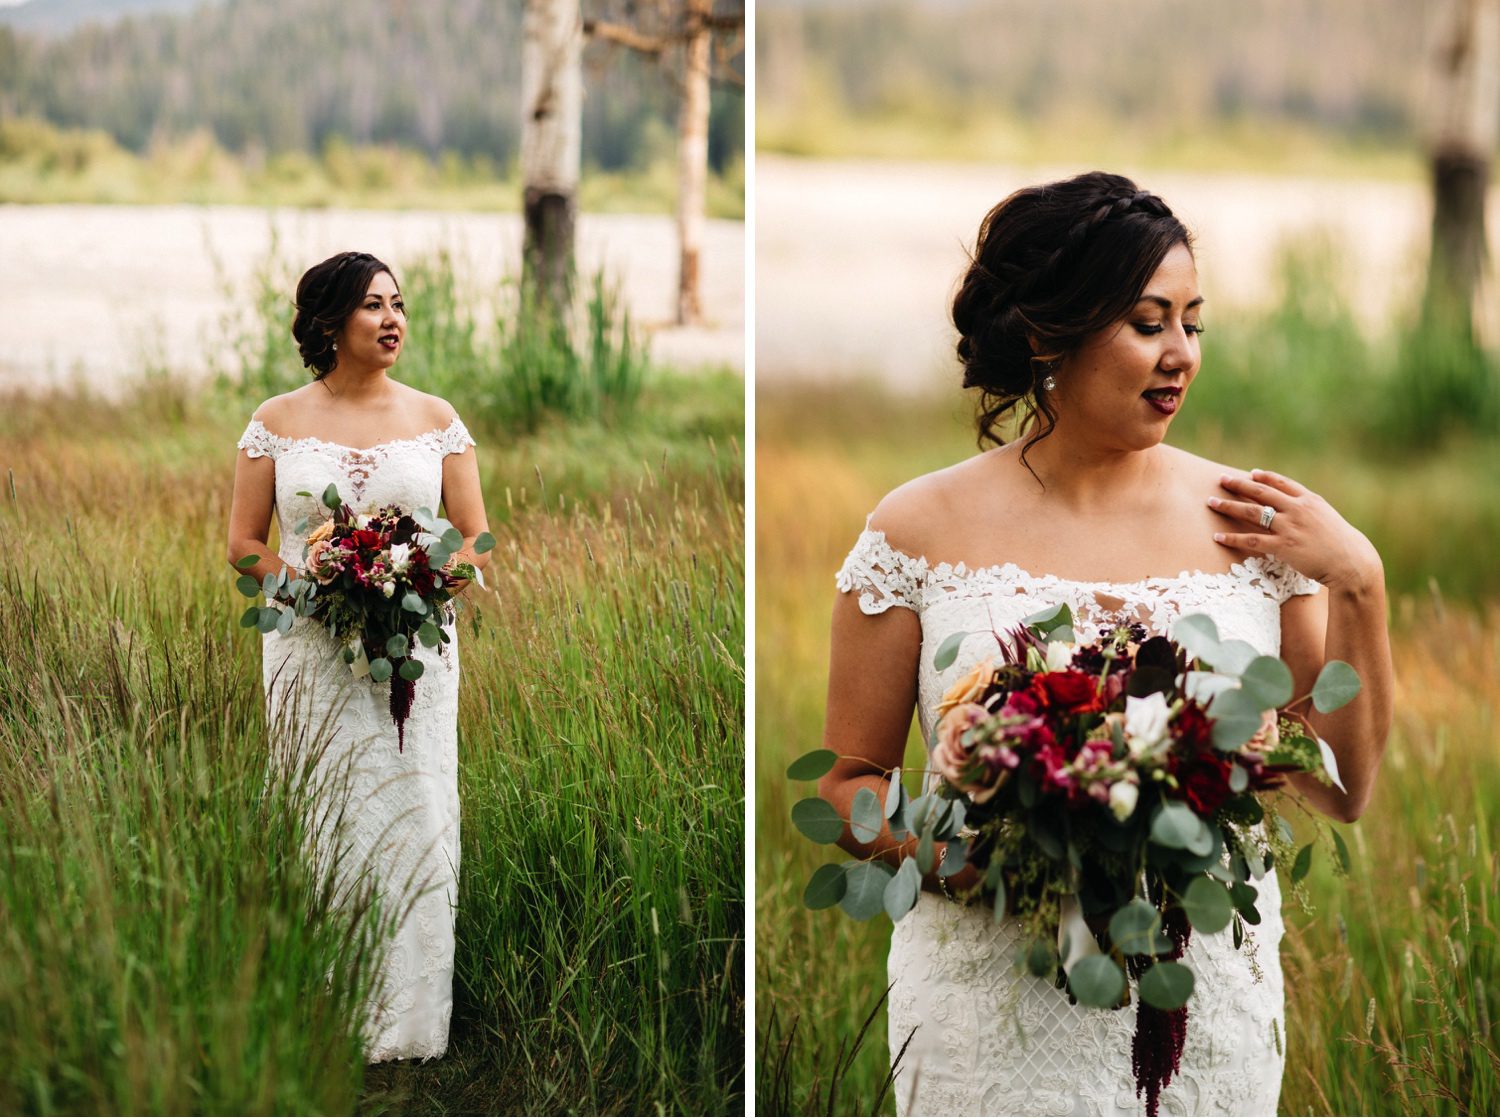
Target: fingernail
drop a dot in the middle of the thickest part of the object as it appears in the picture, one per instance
(1218, 537)
(1213, 502)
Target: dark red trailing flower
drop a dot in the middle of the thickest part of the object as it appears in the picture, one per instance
(1066, 692)
(402, 692)
(1156, 1048)
(1207, 784)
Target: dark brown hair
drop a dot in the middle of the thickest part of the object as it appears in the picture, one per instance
(1053, 264)
(327, 294)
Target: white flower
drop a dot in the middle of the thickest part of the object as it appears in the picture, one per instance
(1122, 798)
(388, 588)
(1059, 656)
(1146, 722)
(362, 520)
(400, 556)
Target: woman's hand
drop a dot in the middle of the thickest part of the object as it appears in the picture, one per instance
(1305, 531)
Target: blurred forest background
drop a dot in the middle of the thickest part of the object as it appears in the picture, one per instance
(281, 101)
(1305, 142)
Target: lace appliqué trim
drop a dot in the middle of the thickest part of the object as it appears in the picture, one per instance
(886, 577)
(258, 442)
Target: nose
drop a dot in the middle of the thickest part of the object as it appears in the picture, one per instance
(1178, 353)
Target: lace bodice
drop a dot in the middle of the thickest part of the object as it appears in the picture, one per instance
(406, 472)
(984, 1039)
(1244, 601)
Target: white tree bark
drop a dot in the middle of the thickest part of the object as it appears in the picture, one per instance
(551, 143)
(692, 157)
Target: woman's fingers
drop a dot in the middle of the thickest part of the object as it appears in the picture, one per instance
(1244, 541)
(1255, 491)
(1279, 481)
(1237, 510)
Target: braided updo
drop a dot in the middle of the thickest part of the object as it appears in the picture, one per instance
(1053, 264)
(327, 294)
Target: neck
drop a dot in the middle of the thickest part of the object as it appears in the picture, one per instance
(355, 384)
(1085, 475)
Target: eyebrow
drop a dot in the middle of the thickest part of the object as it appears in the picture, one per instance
(1166, 304)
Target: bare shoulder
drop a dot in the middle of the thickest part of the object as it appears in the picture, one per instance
(434, 411)
(1199, 473)
(917, 516)
(278, 414)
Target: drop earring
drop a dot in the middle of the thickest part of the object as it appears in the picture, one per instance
(1049, 382)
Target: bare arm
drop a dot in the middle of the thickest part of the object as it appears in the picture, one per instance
(463, 503)
(872, 691)
(250, 516)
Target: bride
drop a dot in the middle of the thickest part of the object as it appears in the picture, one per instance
(381, 443)
(1081, 305)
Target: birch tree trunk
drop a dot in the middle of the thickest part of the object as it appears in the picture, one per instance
(551, 143)
(692, 157)
(1464, 118)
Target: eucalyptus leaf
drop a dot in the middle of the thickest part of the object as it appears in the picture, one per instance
(1199, 637)
(865, 817)
(438, 556)
(1166, 986)
(816, 818)
(269, 584)
(331, 496)
(893, 792)
(269, 617)
(1239, 779)
(926, 852)
(1337, 684)
(424, 517)
(950, 820)
(429, 634)
(1133, 928)
(247, 586)
(1174, 826)
(250, 617)
(1049, 620)
(955, 857)
(412, 603)
(1234, 657)
(1097, 980)
(1340, 850)
(1302, 863)
(411, 670)
(246, 563)
(864, 893)
(1207, 905)
(381, 669)
(1268, 682)
(300, 526)
(947, 651)
(1243, 894)
(995, 881)
(810, 766)
(901, 890)
(483, 542)
(1041, 958)
(1237, 718)
(826, 887)
(397, 645)
(284, 622)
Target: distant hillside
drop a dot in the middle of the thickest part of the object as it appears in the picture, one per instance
(54, 17)
(268, 76)
(1348, 66)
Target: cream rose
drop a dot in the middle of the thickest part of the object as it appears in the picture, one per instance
(950, 757)
(970, 688)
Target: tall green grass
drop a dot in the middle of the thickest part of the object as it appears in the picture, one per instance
(165, 948)
(1412, 930)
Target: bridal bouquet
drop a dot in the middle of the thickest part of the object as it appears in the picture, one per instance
(1107, 794)
(379, 582)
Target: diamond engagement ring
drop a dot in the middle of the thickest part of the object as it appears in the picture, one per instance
(1267, 514)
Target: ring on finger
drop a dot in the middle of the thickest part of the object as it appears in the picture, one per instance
(1267, 514)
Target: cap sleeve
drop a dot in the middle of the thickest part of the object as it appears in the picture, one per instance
(456, 439)
(882, 576)
(1282, 581)
(257, 442)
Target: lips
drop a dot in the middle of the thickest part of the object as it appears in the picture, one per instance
(1164, 400)
(390, 341)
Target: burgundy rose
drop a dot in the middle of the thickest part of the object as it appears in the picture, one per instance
(1069, 692)
(1207, 784)
(1192, 728)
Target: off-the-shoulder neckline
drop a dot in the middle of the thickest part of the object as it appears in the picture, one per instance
(311, 440)
(1252, 567)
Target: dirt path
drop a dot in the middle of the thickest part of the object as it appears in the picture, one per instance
(100, 291)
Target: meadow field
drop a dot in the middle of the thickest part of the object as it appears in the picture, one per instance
(1393, 972)
(167, 948)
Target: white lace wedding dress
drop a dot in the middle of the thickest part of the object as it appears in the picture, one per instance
(985, 1039)
(400, 817)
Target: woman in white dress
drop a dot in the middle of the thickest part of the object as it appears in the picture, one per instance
(381, 443)
(1081, 307)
